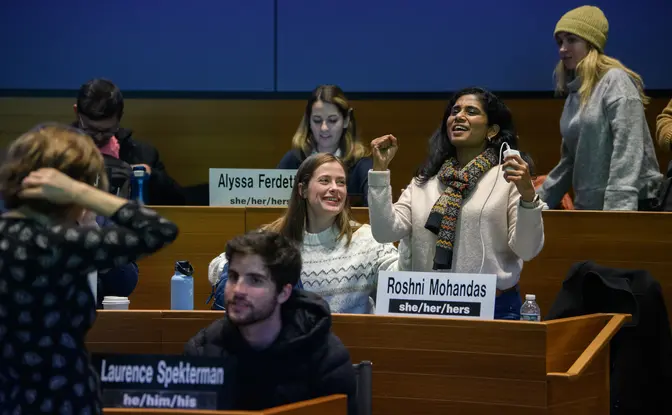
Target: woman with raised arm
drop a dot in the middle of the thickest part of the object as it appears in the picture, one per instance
(341, 259)
(466, 210)
(607, 152)
(51, 177)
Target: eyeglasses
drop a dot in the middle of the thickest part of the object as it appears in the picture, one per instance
(99, 136)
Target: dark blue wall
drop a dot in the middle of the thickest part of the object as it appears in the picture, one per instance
(293, 45)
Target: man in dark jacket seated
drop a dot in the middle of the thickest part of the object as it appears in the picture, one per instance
(278, 339)
(99, 110)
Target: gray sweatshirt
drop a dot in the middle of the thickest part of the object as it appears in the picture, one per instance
(607, 153)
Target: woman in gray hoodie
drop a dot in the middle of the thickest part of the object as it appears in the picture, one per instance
(607, 153)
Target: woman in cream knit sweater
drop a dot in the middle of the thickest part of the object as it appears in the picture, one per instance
(458, 214)
(341, 259)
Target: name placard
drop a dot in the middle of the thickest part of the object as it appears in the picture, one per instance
(436, 294)
(251, 187)
(158, 381)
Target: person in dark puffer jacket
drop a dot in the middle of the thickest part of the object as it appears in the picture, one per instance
(99, 111)
(277, 339)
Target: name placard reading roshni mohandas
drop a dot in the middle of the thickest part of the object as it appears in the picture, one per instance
(436, 294)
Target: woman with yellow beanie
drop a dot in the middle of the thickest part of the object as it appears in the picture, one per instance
(607, 151)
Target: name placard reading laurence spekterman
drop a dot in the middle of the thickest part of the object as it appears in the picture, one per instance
(436, 294)
(158, 381)
(251, 187)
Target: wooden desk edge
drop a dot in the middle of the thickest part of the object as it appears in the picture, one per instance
(599, 342)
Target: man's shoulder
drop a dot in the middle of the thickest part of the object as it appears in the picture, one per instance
(332, 354)
(141, 145)
(291, 160)
(209, 342)
(130, 143)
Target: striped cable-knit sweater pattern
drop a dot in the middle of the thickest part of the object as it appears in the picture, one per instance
(345, 276)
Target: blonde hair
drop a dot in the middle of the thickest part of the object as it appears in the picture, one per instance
(293, 223)
(351, 148)
(61, 147)
(591, 69)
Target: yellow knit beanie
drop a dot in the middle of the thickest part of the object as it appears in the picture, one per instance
(587, 22)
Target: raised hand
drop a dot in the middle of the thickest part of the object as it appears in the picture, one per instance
(56, 187)
(517, 171)
(146, 166)
(383, 148)
(50, 184)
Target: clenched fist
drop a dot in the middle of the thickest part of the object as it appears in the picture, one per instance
(383, 148)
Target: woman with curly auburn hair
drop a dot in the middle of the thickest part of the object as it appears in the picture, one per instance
(51, 177)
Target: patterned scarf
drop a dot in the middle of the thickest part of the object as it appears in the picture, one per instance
(442, 220)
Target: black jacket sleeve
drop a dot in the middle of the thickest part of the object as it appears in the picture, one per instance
(162, 189)
(337, 375)
(358, 179)
(194, 346)
(291, 160)
(140, 232)
(208, 342)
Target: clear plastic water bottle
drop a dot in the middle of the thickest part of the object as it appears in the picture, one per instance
(138, 183)
(530, 310)
(182, 287)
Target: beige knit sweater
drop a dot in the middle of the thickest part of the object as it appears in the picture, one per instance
(510, 233)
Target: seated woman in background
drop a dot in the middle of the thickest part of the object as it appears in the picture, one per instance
(458, 214)
(607, 152)
(329, 126)
(341, 259)
(48, 181)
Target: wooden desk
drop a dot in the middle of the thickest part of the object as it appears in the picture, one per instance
(204, 232)
(431, 366)
(634, 240)
(613, 239)
(329, 405)
(631, 240)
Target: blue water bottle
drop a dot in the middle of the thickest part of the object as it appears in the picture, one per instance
(138, 183)
(182, 287)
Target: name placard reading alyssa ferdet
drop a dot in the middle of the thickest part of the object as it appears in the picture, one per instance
(158, 381)
(436, 294)
(251, 187)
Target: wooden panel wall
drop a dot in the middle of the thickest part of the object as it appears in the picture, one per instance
(203, 230)
(194, 135)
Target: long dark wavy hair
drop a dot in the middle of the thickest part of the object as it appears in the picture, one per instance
(440, 147)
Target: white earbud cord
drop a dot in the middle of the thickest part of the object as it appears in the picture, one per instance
(480, 216)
